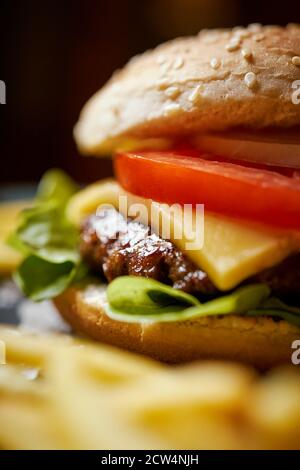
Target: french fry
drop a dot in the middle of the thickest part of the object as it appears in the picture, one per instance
(26, 426)
(87, 409)
(91, 396)
(219, 386)
(192, 407)
(30, 348)
(14, 381)
(105, 361)
(276, 408)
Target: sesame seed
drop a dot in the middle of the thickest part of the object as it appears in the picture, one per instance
(203, 31)
(238, 73)
(273, 27)
(172, 92)
(134, 59)
(247, 53)
(296, 61)
(255, 27)
(233, 45)
(210, 38)
(194, 96)
(215, 63)
(116, 87)
(164, 68)
(259, 37)
(250, 80)
(236, 29)
(171, 109)
(178, 63)
(161, 59)
(163, 83)
(241, 33)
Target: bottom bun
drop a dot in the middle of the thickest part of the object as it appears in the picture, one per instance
(261, 342)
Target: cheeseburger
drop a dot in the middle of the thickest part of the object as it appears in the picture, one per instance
(210, 121)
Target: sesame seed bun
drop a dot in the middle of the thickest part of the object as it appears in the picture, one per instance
(261, 342)
(215, 81)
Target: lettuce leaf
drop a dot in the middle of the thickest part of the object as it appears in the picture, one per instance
(57, 186)
(276, 308)
(40, 279)
(48, 241)
(134, 299)
(142, 297)
(42, 226)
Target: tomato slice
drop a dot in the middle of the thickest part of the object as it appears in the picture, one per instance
(227, 188)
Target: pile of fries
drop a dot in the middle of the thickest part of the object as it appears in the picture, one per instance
(60, 392)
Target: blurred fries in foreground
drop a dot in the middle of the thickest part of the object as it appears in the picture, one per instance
(59, 392)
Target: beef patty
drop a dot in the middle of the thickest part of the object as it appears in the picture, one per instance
(114, 246)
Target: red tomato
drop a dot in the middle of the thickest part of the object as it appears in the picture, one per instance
(256, 194)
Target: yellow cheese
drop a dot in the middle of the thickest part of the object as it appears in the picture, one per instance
(85, 202)
(232, 250)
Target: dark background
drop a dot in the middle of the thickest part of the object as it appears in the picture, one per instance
(55, 54)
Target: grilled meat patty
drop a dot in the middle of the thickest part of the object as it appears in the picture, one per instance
(114, 246)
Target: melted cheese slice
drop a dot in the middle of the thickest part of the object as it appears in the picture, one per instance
(232, 250)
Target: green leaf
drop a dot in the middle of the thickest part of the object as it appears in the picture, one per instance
(48, 241)
(138, 299)
(134, 295)
(45, 226)
(274, 303)
(276, 308)
(40, 279)
(238, 302)
(56, 186)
